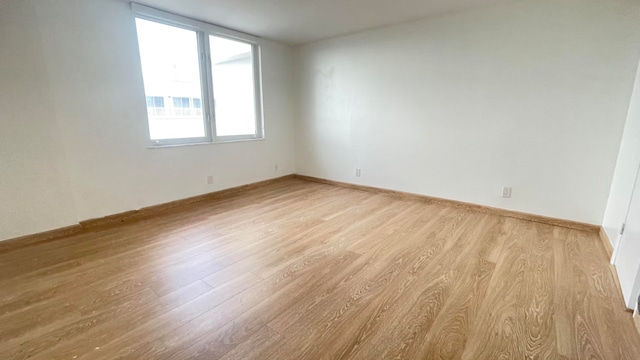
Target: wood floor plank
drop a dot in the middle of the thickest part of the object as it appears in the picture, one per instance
(501, 334)
(368, 267)
(405, 333)
(94, 343)
(358, 313)
(539, 330)
(254, 347)
(302, 270)
(219, 330)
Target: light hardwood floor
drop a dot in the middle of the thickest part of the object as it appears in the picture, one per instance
(300, 270)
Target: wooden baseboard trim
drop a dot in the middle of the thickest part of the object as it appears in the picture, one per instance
(575, 225)
(32, 239)
(156, 210)
(606, 243)
(130, 216)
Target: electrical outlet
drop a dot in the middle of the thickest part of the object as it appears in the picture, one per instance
(210, 179)
(358, 172)
(506, 192)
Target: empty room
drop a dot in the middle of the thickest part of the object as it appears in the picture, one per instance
(281, 179)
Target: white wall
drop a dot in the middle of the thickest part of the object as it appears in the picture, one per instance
(626, 170)
(34, 184)
(531, 95)
(73, 121)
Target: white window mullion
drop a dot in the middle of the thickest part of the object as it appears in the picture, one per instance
(210, 100)
(257, 80)
(203, 45)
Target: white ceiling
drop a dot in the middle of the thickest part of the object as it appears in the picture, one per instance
(298, 22)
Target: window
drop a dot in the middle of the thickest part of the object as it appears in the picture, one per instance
(155, 105)
(196, 106)
(233, 90)
(187, 107)
(181, 102)
(181, 106)
(202, 82)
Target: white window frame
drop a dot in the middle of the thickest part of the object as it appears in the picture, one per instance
(203, 30)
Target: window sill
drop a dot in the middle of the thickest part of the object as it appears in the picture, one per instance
(203, 143)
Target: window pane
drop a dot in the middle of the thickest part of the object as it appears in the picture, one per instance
(158, 101)
(181, 102)
(233, 87)
(171, 70)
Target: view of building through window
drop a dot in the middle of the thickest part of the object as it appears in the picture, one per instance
(171, 72)
(173, 83)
